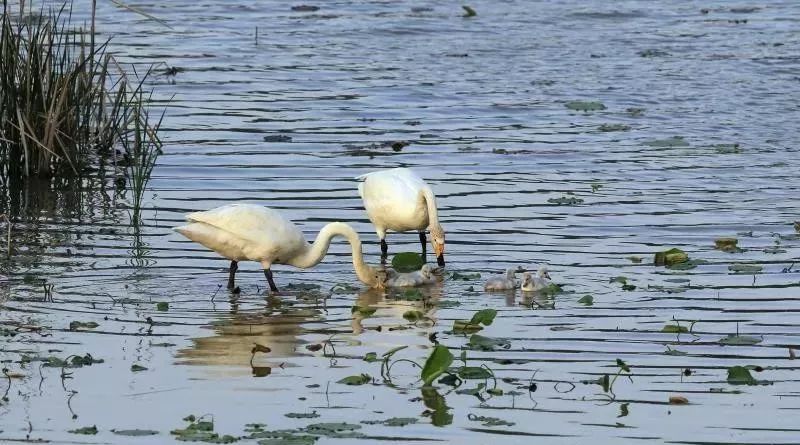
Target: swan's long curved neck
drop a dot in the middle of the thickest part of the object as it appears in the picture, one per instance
(316, 252)
(430, 201)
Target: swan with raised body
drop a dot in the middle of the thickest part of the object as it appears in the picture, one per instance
(399, 200)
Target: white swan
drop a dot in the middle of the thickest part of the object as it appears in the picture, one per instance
(534, 283)
(502, 282)
(410, 279)
(399, 200)
(247, 232)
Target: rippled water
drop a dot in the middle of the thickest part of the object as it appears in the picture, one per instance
(482, 102)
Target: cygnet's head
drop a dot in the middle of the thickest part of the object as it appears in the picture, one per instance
(527, 280)
(543, 273)
(426, 271)
(510, 273)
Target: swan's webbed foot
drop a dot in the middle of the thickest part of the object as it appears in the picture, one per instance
(272, 287)
(232, 275)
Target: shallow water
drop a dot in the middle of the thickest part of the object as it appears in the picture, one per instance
(482, 102)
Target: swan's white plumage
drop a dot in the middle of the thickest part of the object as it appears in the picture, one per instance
(246, 232)
(504, 281)
(536, 283)
(420, 277)
(395, 200)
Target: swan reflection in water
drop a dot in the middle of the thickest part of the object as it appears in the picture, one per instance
(281, 327)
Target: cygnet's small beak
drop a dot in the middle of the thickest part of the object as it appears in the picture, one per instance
(439, 249)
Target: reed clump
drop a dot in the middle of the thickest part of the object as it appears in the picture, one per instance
(67, 108)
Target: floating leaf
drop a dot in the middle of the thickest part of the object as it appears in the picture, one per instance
(739, 340)
(579, 105)
(162, 306)
(670, 257)
(727, 244)
(88, 430)
(586, 300)
(674, 329)
(414, 316)
(565, 201)
(482, 343)
(135, 433)
(474, 373)
(484, 317)
(605, 382)
(686, 265)
(356, 380)
(613, 127)
(469, 12)
(371, 357)
(407, 262)
(745, 268)
(739, 375)
(394, 421)
(466, 276)
(628, 287)
(136, 368)
(363, 311)
(411, 295)
(495, 391)
(620, 279)
(75, 325)
(489, 421)
(436, 364)
(310, 415)
(623, 366)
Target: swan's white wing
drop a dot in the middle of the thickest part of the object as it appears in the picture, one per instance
(392, 199)
(252, 222)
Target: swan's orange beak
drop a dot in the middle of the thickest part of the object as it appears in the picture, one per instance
(439, 249)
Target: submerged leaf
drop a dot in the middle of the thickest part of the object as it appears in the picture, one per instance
(88, 430)
(407, 262)
(586, 300)
(162, 306)
(414, 316)
(482, 343)
(135, 432)
(745, 268)
(474, 373)
(489, 421)
(674, 329)
(363, 311)
(436, 364)
(739, 340)
(466, 276)
(579, 105)
(673, 142)
(75, 325)
(137, 367)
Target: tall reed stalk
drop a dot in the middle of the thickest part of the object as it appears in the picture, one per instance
(67, 108)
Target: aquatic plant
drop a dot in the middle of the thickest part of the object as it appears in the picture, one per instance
(68, 110)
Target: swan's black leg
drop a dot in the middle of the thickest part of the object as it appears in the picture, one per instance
(232, 274)
(384, 251)
(424, 242)
(272, 286)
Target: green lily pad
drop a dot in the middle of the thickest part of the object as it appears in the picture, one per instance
(162, 306)
(484, 317)
(481, 343)
(727, 244)
(394, 421)
(586, 300)
(356, 380)
(310, 415)
(489, 421)
(136, 368)
(739, 375)
(579, 105)
(671, 257)
(474, 373)
(414, 316)
(407, 262)
(371, 357)
(363, 310)
(436, 364)
(674, 329)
